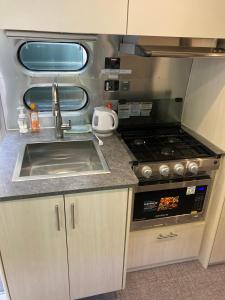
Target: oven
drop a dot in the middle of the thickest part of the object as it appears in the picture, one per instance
(169, 203)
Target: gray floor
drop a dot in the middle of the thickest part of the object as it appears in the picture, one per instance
(181, 281)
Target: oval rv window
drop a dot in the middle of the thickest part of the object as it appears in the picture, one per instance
(72, 98)
(53, 56)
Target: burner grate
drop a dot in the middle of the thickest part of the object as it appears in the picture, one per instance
(164, 147)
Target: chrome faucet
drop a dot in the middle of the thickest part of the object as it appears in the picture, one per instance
(59, 126)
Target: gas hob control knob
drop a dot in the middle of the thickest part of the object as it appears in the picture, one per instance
(193, 168)
(164, 170)
(178, 169)
(146, 171)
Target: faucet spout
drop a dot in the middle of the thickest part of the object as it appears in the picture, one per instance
(59, 126)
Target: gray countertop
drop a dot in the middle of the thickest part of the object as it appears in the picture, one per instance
(114, 152)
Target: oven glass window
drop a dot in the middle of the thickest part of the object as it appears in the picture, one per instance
(171, 202)
(72, 98)
(168, 203)
(53, 56)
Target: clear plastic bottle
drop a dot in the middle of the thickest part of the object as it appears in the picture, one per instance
(34, 118)
(22, 120)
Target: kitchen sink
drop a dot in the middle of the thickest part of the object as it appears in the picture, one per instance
(59, 159)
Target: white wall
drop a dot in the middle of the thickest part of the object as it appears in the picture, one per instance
(204, 106)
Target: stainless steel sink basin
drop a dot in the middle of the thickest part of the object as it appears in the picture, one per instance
(59, 159)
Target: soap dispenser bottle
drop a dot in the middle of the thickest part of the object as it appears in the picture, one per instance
(22, 120)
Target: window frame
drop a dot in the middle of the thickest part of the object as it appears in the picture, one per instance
(18, 56)
(59, 86)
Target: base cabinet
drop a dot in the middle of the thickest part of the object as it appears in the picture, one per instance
(151, 247)
(33, 248)
(64, 247)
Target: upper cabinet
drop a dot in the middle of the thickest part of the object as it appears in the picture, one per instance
(79, 16)
(188, 18)
(202, 18)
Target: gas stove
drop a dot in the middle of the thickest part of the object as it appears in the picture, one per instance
(175, 173)
(175, 170)
(168, 154)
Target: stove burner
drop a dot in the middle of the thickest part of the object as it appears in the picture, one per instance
(164, 144)
(139, 142)
(167, 151)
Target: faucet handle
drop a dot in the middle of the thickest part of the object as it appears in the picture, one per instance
(69, 125)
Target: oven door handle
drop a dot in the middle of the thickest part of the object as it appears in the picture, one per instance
(167, 236)
(171, 185)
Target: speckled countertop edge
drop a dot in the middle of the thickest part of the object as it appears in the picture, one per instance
(116, 156)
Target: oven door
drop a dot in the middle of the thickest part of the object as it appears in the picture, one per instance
(158, 201)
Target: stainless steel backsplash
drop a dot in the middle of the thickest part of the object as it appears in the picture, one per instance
(156, 78)
(150, 78)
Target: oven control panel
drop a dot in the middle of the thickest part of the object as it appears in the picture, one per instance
(200, 192)
(175, 169)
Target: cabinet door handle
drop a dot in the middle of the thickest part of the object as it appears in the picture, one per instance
(57, 217)
(173, 234)
(161, 236)
(73, 215)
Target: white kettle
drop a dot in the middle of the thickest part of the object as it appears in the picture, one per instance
(104, 121)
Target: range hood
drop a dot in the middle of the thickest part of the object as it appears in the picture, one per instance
(172, 47)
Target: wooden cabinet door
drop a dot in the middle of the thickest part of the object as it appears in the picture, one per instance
(79, 16)
(186, 18)
(33, 248)
(96, 233)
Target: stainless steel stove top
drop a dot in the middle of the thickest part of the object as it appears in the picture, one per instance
(168, 153)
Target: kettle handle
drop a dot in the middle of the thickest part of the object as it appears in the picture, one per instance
(95, 121)
(115, 120)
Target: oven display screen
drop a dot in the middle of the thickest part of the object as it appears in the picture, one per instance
(150, 206)
(168, 203)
